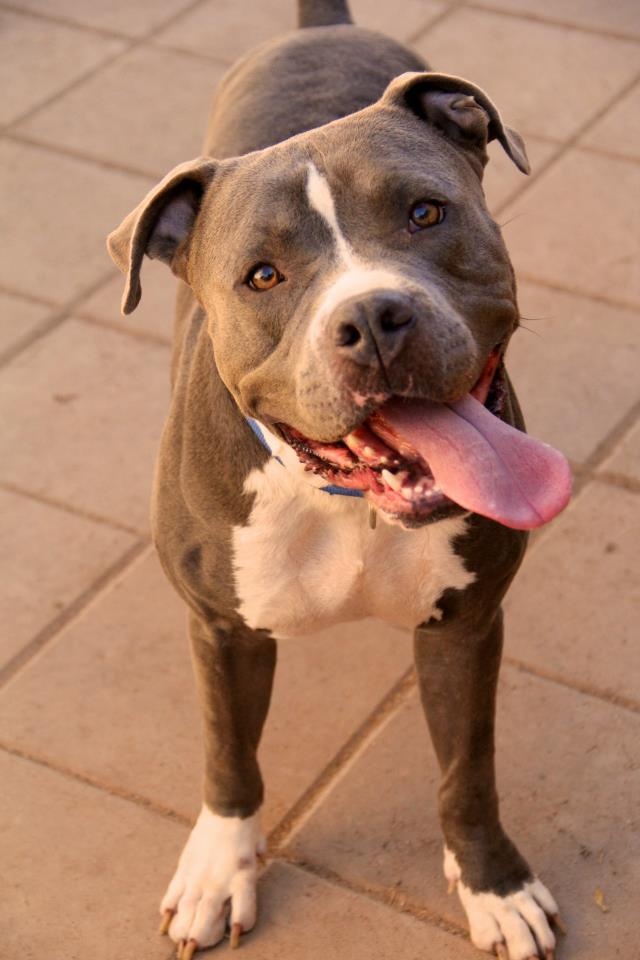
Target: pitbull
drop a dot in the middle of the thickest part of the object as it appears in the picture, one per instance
(343, 440)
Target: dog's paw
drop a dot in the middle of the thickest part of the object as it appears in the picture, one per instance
(215, 883)
(514, 927)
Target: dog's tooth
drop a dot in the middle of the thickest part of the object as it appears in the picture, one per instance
(391, 480)
(407, 492)
(369, 452)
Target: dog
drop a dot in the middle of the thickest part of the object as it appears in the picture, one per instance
(343, 440)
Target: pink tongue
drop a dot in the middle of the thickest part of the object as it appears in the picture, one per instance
(480, 462)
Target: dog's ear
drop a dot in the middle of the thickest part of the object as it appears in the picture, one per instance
(160, 226)
(462, 111)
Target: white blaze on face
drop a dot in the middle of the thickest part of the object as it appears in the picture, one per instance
(353, 277)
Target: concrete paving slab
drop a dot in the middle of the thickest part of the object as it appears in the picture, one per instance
(505, 58)
(402, 20)
(55, 56)
(572, 363)
(147, 111)
(304, 916)
(625, 459)
(122, 16)
(225, 29)
(502, 179)
(19, 318)
(83, 410)
(55, 556)
(124, 709)
(618, 132)
(80, 870)
(553, 238)
(569, 776)
(574, 608)
(58, 227)
(623, 16)
(154, 314)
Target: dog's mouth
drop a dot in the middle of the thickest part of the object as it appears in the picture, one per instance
(420, 461)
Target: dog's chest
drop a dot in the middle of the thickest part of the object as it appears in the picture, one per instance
(308, 560)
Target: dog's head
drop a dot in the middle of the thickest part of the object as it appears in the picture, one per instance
(350, 265)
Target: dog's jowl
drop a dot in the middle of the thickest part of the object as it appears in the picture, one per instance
(343, 440)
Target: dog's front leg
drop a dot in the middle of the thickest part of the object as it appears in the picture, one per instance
(507, 907)
(215, 882)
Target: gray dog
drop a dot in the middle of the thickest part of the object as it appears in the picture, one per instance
(339, 351)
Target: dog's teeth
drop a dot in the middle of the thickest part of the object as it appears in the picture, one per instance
(368, 451)
(407, 492)
(391, 480)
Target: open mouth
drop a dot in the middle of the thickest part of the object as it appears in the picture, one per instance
(375, 460)
(420, 461)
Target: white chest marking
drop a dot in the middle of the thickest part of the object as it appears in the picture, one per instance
(308, 560)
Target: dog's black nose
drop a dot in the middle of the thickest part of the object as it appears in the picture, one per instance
(372, 329)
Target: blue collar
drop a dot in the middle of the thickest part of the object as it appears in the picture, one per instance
(329, 488)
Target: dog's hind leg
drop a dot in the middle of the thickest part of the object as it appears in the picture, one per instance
(215, 882)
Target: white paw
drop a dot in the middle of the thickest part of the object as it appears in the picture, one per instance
(515, 926)
(215, 881)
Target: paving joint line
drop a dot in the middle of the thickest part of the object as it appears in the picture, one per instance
(105, 32)
(128, 45)
(144, 335)
(48, 501)
(104, 163)
(391, 897)
(59, 315)
(605, 696)
(306, 804)
(421, 32)
(567, 145)
(131, 796)
(539, 18)
(609, 442)
(72, 611)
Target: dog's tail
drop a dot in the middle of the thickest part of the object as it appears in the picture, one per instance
(323, 13)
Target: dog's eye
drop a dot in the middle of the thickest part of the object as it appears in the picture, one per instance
(426, 213)
(264, 277)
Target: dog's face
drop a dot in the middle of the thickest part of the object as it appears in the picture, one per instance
(352, 264)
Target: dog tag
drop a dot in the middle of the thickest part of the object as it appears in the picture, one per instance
(373, 517)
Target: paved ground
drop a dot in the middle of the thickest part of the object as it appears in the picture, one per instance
(100, 759)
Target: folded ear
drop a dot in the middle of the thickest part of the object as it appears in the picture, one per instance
(160, 226)
(462, 111)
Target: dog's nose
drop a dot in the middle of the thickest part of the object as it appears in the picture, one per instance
(372, 329)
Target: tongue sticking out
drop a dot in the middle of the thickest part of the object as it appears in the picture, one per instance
(479, 461)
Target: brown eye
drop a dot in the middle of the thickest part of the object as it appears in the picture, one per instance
(264, 277)
(426, 213)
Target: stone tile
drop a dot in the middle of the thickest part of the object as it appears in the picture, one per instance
(304, 916)
(619, 130)
(504, 54)
(623, 16)
(81, 869)
(573, 365)
(568, 798)
(399, 20)
(576, 227)
(502, 179)
(226, 29)
(154, 314)
(18, 318)
(83, 410)
(625, 459)
(121, 16)
(125, 713)
(162, 125)
(58, 226)
(53, 556)
(55, 55)
(574, 608)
